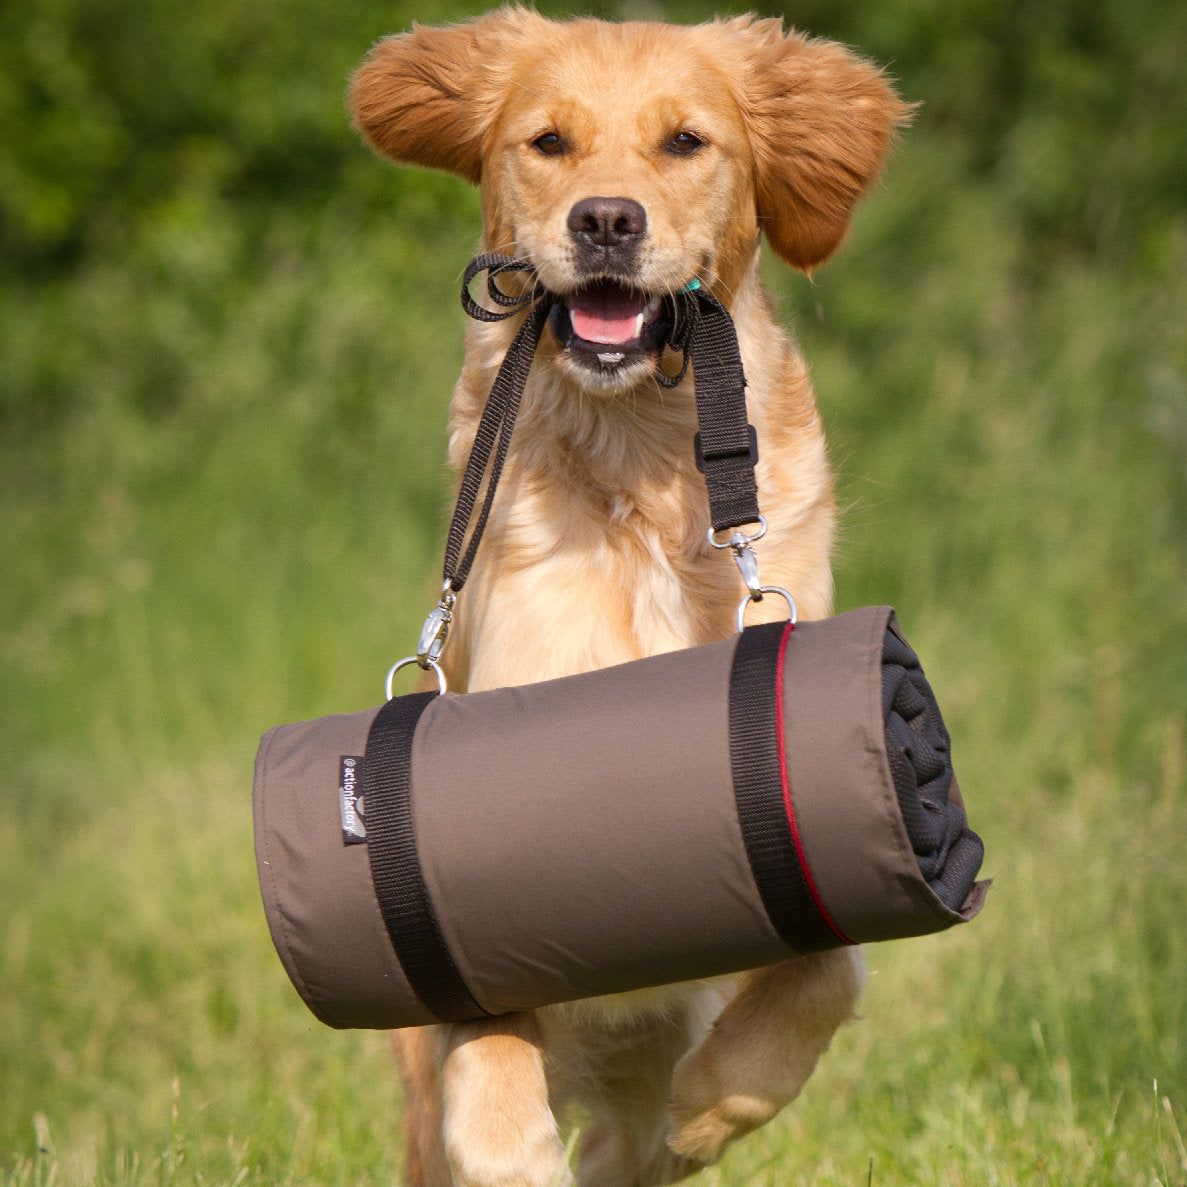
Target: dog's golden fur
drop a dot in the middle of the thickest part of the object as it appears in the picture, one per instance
(700, 139)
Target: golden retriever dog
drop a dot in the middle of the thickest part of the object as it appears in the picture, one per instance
(623, 161)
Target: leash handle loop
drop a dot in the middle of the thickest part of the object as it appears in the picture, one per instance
(495, 265)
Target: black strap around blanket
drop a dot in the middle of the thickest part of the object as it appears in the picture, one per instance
(395, 867)
(783, 882)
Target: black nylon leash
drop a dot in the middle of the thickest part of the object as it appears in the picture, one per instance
(702, 330)
(502, 405)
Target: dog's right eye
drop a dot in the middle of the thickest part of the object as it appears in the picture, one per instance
(550, 144)
(684, 144)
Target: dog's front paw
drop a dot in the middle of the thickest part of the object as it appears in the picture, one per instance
(703, 1136)
(761, 1050)
(704, 1118)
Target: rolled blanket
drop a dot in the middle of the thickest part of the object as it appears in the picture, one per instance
(683, 816)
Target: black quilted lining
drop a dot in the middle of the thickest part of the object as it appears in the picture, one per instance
(920, 754)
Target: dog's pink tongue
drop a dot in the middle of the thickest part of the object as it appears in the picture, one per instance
(606, 314)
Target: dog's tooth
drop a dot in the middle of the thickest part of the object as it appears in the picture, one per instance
(611, 358)
(638, 324)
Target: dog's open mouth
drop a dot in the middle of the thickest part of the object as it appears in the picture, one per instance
(604, 323)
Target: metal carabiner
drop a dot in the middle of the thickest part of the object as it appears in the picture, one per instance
(744, 555)
(434, 634)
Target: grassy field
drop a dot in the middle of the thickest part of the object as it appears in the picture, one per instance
(221, 507)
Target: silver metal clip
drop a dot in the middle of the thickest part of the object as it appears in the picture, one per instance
(747, 564)
(744, 556)
(433, 637)
(435, 632)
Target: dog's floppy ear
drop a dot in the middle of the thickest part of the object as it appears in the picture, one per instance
(421, 98)
(820, 121)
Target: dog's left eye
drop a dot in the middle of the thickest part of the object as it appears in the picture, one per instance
(684, 144)
(550, 144)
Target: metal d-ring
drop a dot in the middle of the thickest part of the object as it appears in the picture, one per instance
(766, 589)
(739, 539)
(430, 665)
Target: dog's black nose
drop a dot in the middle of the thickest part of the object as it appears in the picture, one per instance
(607, 222)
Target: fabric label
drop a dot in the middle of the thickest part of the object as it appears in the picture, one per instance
(350, 799)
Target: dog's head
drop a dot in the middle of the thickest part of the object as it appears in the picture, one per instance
(625, 160)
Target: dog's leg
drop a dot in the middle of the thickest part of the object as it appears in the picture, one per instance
(499, 1129)
(418, 1055)
(761, 1050)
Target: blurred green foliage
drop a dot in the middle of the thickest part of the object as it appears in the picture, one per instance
(120, 116)
(179, 151)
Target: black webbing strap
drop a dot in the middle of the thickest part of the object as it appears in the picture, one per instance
(725, 449)
(395, 866)
(783, 885)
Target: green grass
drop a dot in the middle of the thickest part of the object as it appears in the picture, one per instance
(222, 507)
